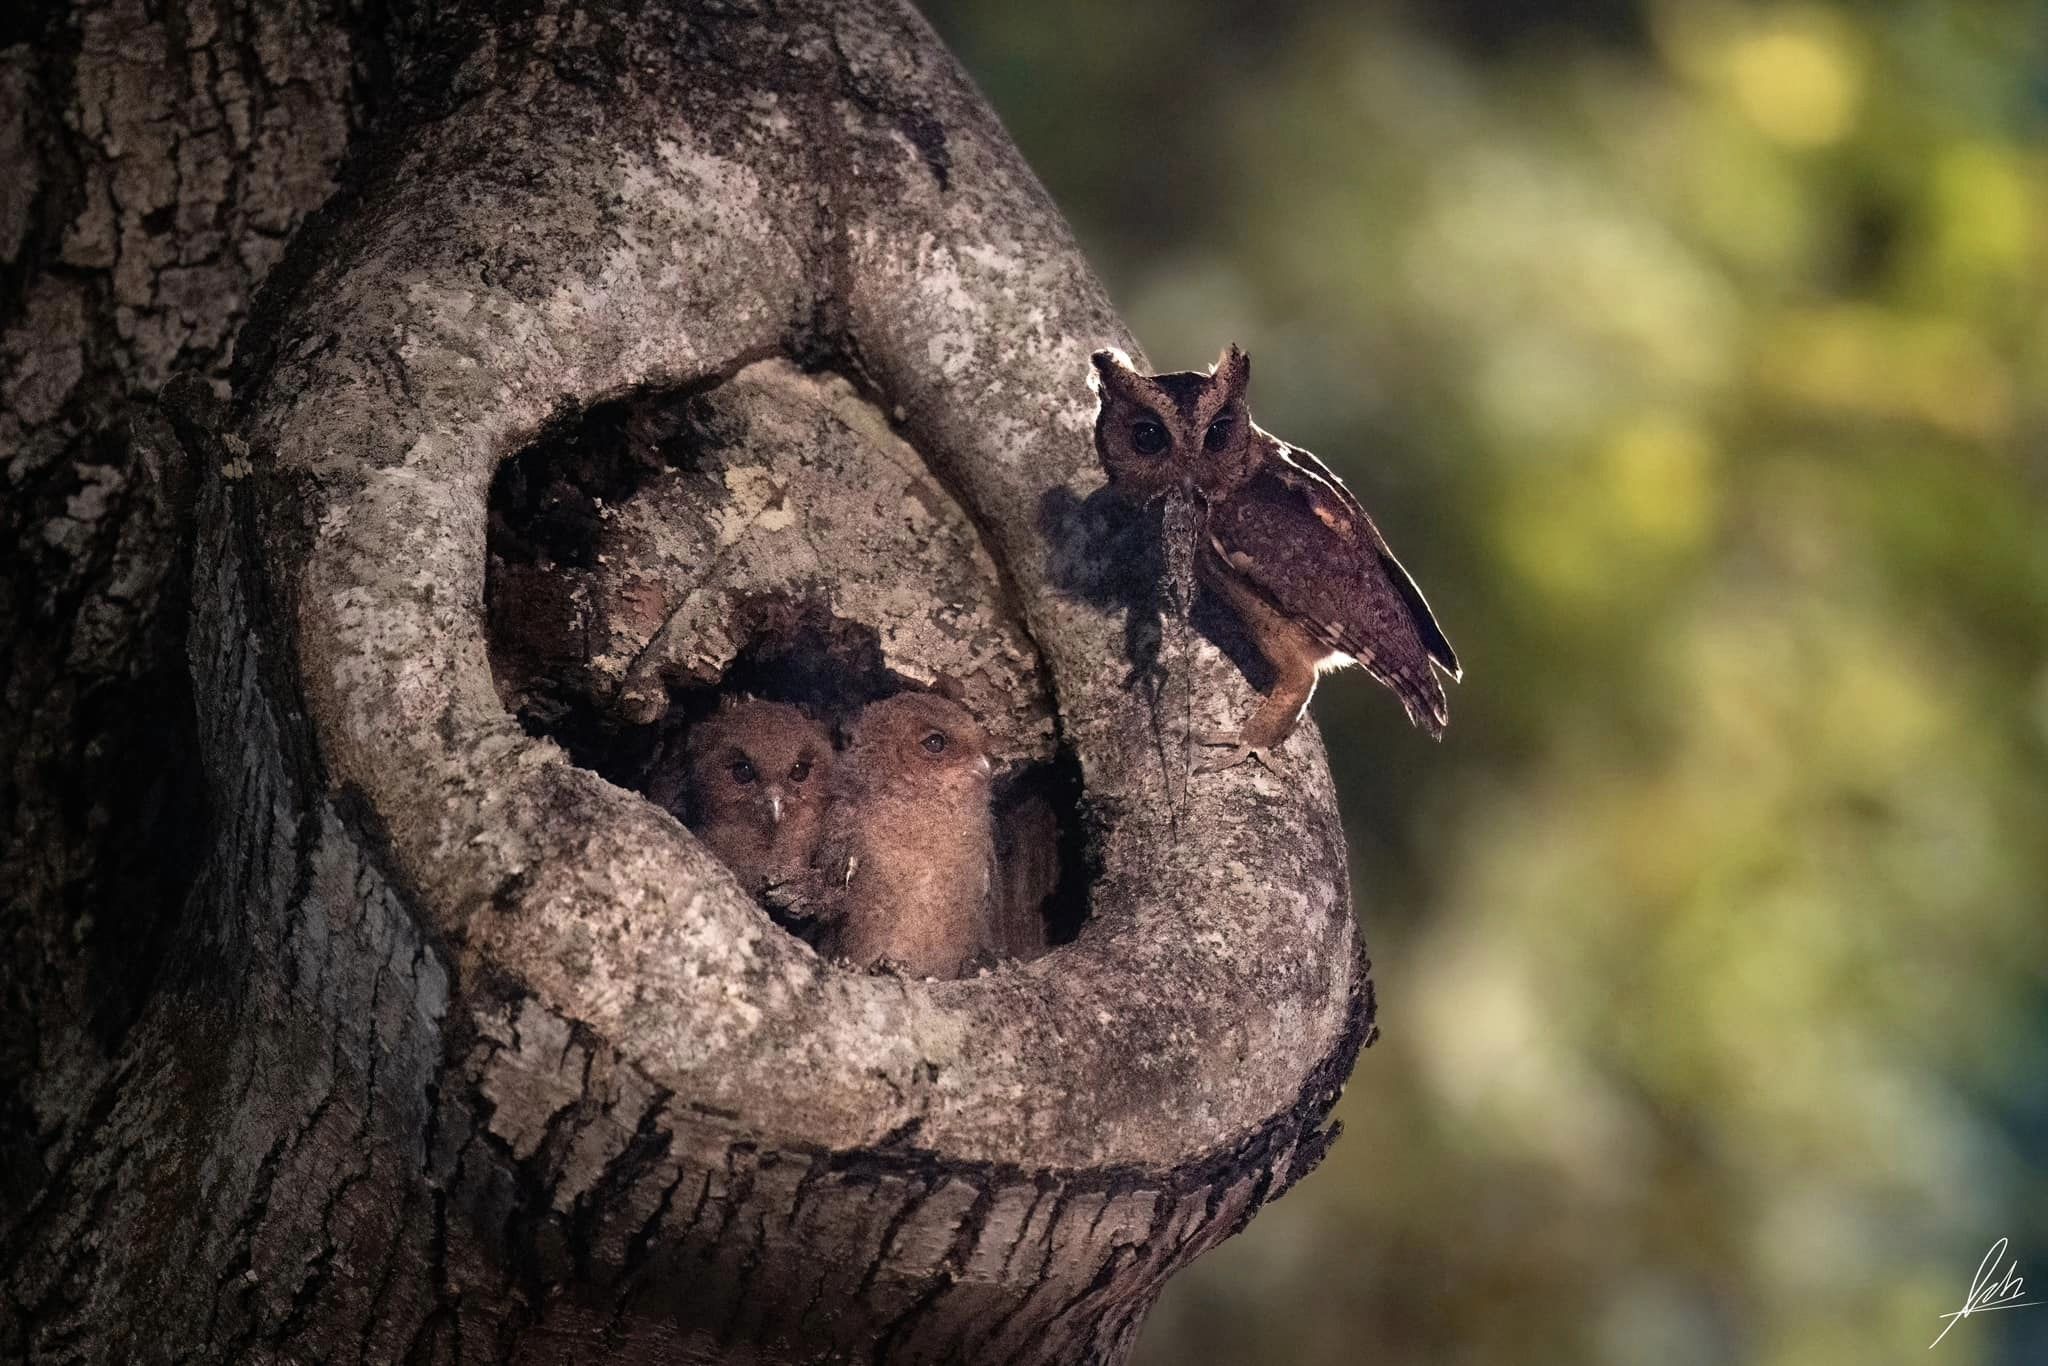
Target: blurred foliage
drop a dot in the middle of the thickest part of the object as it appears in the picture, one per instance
(1695, 357)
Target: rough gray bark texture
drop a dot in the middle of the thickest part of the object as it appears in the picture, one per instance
(457, 1050)
(155, 159)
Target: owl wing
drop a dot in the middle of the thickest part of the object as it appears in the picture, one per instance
(1303, 467)
(1294, 534)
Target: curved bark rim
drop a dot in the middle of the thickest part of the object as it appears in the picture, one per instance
(405, 378)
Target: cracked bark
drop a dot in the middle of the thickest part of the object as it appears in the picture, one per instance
(350, 1019)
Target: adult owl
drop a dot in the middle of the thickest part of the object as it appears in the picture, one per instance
(1282, 541)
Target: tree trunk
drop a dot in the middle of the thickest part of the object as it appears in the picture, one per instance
(156, 158)
(358, 1007)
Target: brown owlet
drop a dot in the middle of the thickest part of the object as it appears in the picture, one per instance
(1282, 541)
(904, 872)
(759, 775)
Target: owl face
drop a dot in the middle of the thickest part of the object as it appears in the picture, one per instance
(1187, 428)
(760, 766)
(921, 741)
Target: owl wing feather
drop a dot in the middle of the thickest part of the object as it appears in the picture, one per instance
(1298, 538)
(1310, 472)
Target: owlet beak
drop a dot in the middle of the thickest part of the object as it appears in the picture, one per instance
(774, 808)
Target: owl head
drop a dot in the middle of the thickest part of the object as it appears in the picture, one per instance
(1187, 428)
(923, 742)
(758, 764)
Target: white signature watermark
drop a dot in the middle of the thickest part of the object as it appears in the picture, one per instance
(1989, 1290)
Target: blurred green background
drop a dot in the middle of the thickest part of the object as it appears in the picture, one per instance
(1695, 358)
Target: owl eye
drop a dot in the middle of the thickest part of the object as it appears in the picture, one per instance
(1218, 435)
(800, 770)
(1148, 438)
(935, 743)
(742, 772)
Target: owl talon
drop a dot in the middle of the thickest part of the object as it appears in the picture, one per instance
(796, 898)
(1239, 751)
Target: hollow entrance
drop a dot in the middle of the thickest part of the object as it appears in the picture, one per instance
(769, 538)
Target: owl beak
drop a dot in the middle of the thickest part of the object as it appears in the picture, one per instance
(774, 808)
(982, 765)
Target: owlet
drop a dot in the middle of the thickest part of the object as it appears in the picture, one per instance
(904, 872)
(1282, 541)
(759, 774)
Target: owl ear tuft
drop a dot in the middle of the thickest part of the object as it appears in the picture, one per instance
(1112, 371)
(1234, 368)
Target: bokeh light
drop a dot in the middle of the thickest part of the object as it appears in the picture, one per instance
(1694, 355)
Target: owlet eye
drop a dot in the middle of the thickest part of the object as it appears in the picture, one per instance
(1148, 438)
(800, 770)
(1218, 435)
(935, 743)
(742, 772)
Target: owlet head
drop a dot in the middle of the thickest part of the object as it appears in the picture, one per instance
(1185, 427)
(758, 762)
(922, 741)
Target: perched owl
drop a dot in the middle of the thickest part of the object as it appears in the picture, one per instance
(758, 778)
(902, 878)
(1282, 541)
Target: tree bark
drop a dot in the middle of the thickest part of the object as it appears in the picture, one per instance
(156, 159)
(413, 1038)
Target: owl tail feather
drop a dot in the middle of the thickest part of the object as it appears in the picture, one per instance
(1422, 697)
